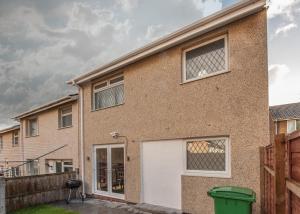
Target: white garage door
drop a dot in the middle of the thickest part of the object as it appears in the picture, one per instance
(162, 166)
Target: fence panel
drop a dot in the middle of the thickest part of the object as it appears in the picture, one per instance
(31, 190)
(293, 173)
(273, 172)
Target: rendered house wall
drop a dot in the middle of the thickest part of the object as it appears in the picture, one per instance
(158, 106)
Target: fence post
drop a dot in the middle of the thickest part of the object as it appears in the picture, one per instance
(262, 179)
(2, 195)
(279, 167)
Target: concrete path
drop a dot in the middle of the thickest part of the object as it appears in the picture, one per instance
(94, 206)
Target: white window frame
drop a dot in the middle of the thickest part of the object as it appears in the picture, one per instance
(225, 37)
(28, 132)
(206, 173)
(61, 115)
(14, 136)
(287, 125)
(108, 85)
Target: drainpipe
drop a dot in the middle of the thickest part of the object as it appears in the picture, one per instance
(81, 137)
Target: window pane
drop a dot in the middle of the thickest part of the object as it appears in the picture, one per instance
(208, 155)
(102, 85)
(109, 97)
(205, 60)
(58, 167)
(33, 127)
(66, 110)
(118, 79)
(291, 126)
(66, 121)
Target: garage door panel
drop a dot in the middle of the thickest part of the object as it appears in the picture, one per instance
(161, 173)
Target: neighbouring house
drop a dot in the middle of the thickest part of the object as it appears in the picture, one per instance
(49, 135)
(10, 151)
(285, 118)
(165, 123)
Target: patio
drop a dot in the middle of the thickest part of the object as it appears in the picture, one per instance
(94, 206)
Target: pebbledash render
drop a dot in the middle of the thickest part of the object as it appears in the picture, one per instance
(50, 133)
(164, 124)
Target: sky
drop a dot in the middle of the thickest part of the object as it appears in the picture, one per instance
(45, 43)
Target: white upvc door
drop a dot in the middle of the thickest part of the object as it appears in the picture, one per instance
(109, 170)
(162, 167)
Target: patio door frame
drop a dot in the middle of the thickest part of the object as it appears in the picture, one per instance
(109, 192)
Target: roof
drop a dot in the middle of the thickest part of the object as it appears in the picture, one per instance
(55, 103)
(216, 20)
(286, 111)
(9, 129)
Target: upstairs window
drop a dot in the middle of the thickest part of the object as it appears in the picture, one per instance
(293, 125)
(109, 93)
(1, 142)
(15, 138)
(32, 127)
(207, 59)
(65, 117)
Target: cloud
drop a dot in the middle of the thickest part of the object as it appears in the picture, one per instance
(283, 8)
(285, 29)
(128, 5)
(277, 72)
(208, 6)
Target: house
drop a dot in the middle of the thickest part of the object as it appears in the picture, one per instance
(49, 135)
(167, 122)
(10, 151)
(286, 118)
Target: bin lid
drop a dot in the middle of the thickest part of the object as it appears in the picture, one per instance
(232, 192)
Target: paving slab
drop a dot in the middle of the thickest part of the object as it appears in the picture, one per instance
(95, 206)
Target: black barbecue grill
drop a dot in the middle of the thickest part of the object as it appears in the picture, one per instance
(73, 186)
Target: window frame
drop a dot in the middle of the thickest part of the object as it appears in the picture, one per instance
(206, 173)
(295, 125)
(14, 136)
(108, 86)
(184, 52)
(61, 115)
(28, 133)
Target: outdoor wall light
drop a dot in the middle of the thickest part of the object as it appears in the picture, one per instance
(116, 135)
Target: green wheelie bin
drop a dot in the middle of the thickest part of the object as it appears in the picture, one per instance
(232, 200)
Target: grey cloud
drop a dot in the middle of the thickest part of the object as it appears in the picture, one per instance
(45, 43)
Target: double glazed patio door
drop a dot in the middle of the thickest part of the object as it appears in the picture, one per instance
(109, 170)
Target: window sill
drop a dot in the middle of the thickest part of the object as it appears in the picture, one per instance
(93, 110)
(61, 128)
(32, 136)
(208, 174)
(204, 77)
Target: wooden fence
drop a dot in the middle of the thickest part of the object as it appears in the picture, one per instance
(281, 175)
(26, 191)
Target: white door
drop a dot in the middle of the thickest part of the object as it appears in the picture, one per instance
(109, 170)
(162, 167)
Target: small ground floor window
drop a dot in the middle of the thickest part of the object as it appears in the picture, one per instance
(58, 166)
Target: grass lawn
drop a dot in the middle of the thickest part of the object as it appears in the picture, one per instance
(43, 209)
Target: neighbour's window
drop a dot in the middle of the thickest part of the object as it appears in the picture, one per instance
(293, 125)
(1, 142)
(206, 59)
(208, 157)
(68, 166)
(109, 93)
(32, 127)
(15, 138)
(32, 167)
(65, 117)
